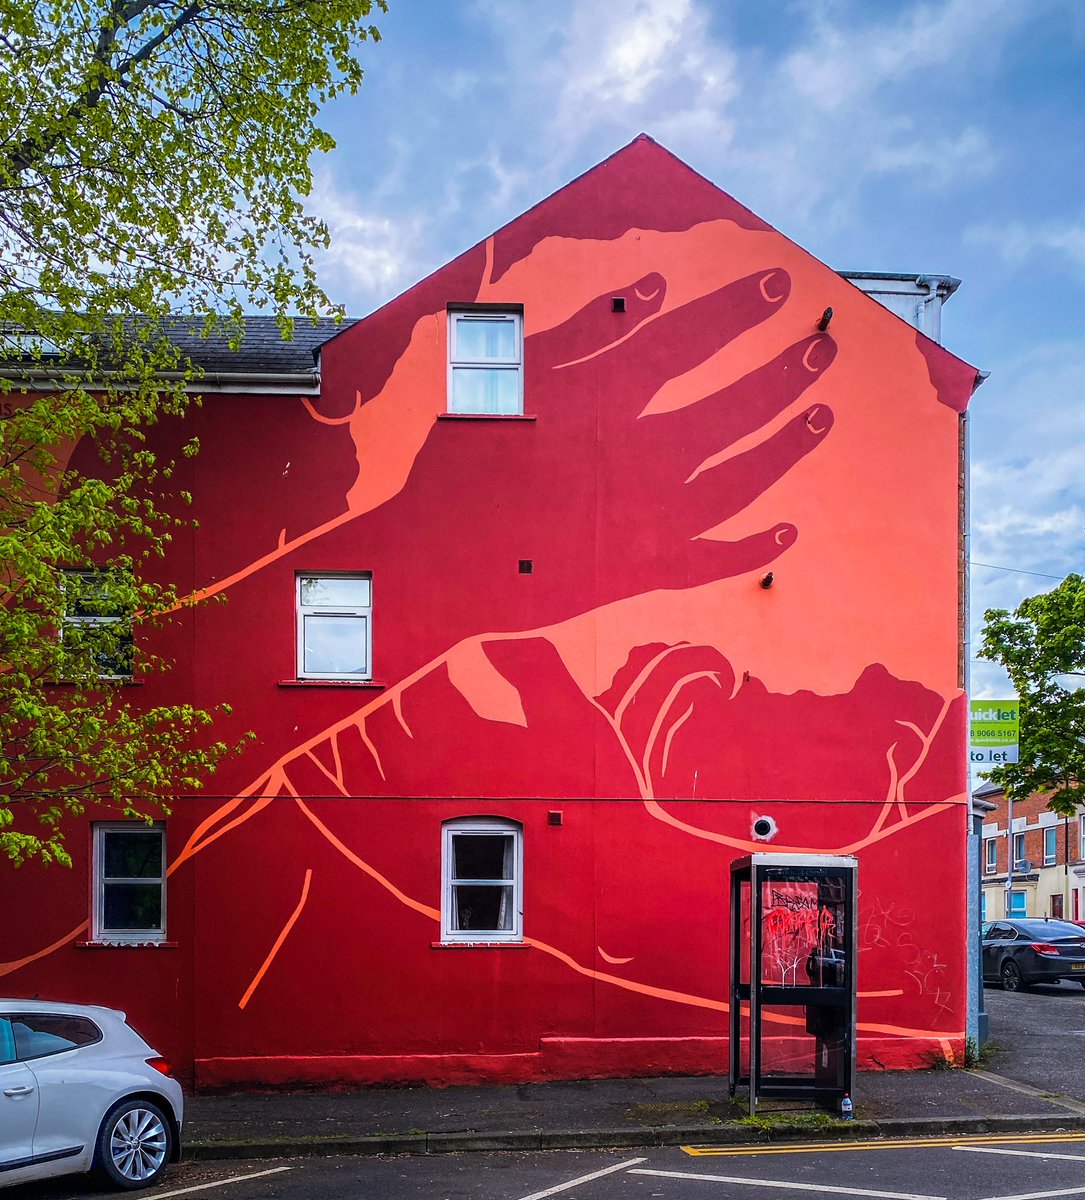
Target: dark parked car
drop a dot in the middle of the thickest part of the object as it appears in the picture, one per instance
(1040, 950)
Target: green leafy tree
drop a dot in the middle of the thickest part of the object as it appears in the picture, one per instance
(1041, 645)
(154, 158)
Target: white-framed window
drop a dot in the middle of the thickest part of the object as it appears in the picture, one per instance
(129, 882)
(97, 623)
(482, 876)
(1081, 837)
(1051, 845)
(983, 905)
(485, 362)
(990, 855)
(1018, 851)
(335, 626)
(1018, 905)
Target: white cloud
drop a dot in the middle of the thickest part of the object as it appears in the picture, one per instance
(846, 62)
(1018, 243)
(858, 98)
(609, 71)
(1027, 489)
(486, 186)
(798, 128)
(932, 162)
(372, 256)
(1028, 493)
(639, 53)
(1023, 530)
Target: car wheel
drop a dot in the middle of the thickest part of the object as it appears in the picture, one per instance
(134, 1145)
(1012, 979)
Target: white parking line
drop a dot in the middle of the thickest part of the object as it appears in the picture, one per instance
(1078, 1191)
(564, 1187)
(203, 1187)
(784, 1184)
(1021, 1153)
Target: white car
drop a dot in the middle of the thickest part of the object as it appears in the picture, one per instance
(80, 1090)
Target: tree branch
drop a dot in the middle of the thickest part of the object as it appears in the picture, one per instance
(99, 75)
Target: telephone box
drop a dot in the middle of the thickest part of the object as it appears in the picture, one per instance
(793, 988)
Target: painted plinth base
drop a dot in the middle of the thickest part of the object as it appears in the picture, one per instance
(556, 1059)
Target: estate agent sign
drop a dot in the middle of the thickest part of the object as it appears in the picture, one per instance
(995, 725)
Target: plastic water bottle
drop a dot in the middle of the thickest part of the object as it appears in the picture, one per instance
(847, 1109)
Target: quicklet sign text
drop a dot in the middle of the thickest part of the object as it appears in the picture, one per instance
(995, 728)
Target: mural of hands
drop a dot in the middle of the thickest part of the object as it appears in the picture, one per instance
(602, 500)
(666, 446)
(655, 495)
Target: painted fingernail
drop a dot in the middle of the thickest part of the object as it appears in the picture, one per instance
(819, 419)
(650, 287)
(819, 354)
(775, 286)
(784, 535)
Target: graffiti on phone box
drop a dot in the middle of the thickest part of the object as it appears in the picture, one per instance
(793, 929)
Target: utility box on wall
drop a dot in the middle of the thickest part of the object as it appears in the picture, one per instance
(793, 977)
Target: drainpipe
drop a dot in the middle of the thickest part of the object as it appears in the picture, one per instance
(929, 321)
(973, 1026)
(1009, 866)
(977, 1026)
(939, 289)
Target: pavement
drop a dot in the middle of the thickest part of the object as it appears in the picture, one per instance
(996, 1097)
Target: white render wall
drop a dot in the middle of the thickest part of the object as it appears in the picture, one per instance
(917, 299)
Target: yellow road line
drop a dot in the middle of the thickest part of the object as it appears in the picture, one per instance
(917, 1143)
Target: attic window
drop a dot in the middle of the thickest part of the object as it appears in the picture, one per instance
(25, 343)
(485, 362)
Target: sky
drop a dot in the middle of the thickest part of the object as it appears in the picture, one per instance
(943, 138)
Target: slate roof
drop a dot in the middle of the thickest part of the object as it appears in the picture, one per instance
(262, 348)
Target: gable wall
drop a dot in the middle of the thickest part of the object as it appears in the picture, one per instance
(639, 680)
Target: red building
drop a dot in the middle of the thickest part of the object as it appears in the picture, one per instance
(572, 563)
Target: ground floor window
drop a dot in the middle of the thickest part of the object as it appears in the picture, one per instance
(482, 878)
(1018, 906)
(129, 882)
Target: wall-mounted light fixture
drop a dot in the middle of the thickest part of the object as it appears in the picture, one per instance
(826, 317)
(768, 580)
